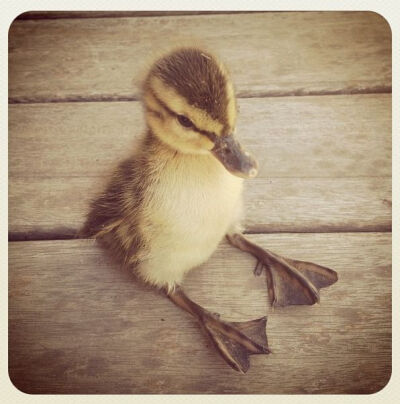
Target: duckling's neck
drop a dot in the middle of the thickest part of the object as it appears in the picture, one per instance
(155, 146)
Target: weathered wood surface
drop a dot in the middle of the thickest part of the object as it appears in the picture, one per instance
(320, 168)
(79, 324)
(267, 53)
(315, 136)
(48, 208)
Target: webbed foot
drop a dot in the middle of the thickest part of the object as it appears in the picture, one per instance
(235, 341)
(289, 281)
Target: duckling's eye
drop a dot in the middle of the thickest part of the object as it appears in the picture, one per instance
(186, 122)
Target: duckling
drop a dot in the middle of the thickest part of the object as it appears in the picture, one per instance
(168, 206)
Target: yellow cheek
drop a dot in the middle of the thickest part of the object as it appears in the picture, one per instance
(192, 140)
(172, 133)
(151, 102)
(155, 122)
(205, 143)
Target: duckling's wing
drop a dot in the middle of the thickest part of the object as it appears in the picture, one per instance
(108, 210)
(293, 282)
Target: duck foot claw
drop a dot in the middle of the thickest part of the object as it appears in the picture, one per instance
(258, 270)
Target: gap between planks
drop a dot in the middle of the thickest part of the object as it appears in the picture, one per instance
(56, 15)
(70, 234)
(241, 95)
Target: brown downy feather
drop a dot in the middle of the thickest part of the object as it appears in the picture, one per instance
(114, 215)
(203, 85)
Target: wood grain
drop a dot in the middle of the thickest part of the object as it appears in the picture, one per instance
(320, 170)
(315, 136)
(267, 53)
(79, 324)
(48, 208)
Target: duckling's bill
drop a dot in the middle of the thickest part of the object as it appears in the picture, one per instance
(234, 158)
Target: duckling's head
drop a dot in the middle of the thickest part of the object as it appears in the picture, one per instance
(190, 105)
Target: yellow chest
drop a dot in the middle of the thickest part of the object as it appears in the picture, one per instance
(187, 212)
(193, 198)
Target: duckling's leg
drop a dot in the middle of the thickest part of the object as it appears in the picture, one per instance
(289, 281)
(234, 341)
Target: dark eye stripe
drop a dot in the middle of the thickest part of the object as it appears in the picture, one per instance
(212, 136)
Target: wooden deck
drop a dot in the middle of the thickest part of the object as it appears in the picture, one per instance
(315, 108)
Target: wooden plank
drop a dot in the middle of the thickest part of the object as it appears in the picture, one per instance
(320, 170)
(316, 136)
(267, 53)
(78, 324)
(48, 208)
